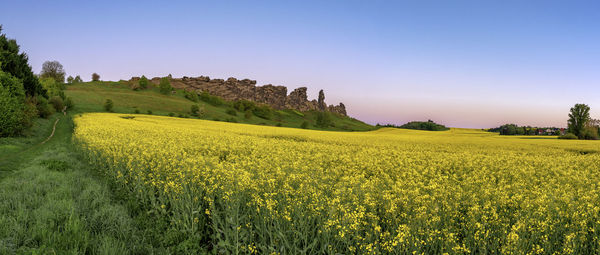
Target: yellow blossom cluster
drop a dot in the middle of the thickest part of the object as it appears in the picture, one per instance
(257, 189)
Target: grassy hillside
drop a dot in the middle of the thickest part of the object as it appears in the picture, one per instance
(90, 97)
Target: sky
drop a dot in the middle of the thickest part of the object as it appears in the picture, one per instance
(472, 64)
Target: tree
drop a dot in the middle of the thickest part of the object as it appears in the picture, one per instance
(12, 105)
(323, 120)
(77, 79)
(14, 63)
(70, 79)
(95, 77)
(54, 70)
(108, 105)
(165, 86)
(578, 118)
(143, 82)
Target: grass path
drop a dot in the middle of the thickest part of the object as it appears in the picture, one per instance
(53, 202)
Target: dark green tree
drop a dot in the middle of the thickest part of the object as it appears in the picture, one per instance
(15, 64)
(578, 118)
(108, 105)
(165, 86)
(143, 82)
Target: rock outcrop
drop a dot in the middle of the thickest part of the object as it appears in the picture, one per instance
(234, 89)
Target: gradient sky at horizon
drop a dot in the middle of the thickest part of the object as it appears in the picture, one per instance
(474, 64)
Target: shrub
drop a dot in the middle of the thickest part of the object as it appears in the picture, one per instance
(262, 112)
(70, 79)
(248, 114)
(57, 103)
(231, 119)
(77, 79)
(194, 109)
(213, 100)
(568, 136)
(143, 82)
(590, 133)
(171, 114)
(165, 86)
(11, 113)
(149, 112)
(278, 124)
(108, 105)
(431, 126)
(69, 103)
(192, 96)
(243, 105)
(95, 77)
(304, 125)
(231, 112)
(43, 108)
(137, 111)
(323, 120)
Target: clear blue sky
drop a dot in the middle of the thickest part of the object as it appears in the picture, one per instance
(462, 63)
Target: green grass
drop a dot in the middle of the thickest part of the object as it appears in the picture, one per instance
(53, 202)
(90, 97)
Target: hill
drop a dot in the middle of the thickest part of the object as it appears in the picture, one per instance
(90, 97)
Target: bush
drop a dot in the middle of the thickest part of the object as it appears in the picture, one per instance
(323, 120)
(70, 79)
(213, 100)
(11, 113)
(108, 105)
(192, 96)
(43, 108)
(165, 86)
(137, 111)
(590, 133)
(95, 77)
(568, 136)
(262, 112)
(244, 105)
(248, 114)
(143, 82)
(429, 125)
(149, 112)
(231, 112)
(304, 125)
(278, 124)
(231, 119)
(77, 79)
(57, 103)
(194, 109)
(171, 114)
(69, 103)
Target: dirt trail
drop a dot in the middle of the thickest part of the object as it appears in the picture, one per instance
(64, 111)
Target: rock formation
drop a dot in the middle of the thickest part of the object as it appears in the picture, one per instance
(234, 89)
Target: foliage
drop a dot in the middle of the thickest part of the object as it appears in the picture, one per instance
(248, 114)
(143, 82)
(15, 114)
(16, 64)
(108, 105)
(304, 125)
(213, 100)
(57, 103)
(323, 120)
(52, 87)
(53, 70)
(231, 112)
(424, 125)
(579, 116)
(194, 110)
(69, 103)
(77, 79)
(95, 77)
(263, 111)
(568, 136)
(192, 96)
(590, 133)
(390, 191)
(43, 108)
(70, 79)
(149, 112)
(165, 86)
(244, 105)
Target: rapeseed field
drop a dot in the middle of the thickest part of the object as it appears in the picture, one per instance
(250, 189)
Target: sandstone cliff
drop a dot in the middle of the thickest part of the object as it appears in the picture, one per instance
(234, 89)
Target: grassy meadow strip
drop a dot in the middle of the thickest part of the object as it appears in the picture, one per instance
(238, 188)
